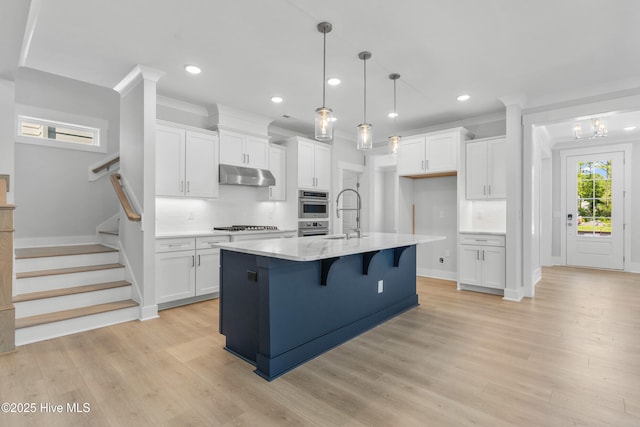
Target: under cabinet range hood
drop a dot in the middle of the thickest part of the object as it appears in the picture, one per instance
(239, 175)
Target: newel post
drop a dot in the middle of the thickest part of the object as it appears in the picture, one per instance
(7, 311)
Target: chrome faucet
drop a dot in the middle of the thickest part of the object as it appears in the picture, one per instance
(357, 209)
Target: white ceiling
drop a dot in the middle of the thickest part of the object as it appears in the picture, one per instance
(250, 50)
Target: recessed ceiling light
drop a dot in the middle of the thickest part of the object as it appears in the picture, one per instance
(192, 69)
(392, 115)
(463, 98)
(628, 128)
(334, 81)
(276, 99)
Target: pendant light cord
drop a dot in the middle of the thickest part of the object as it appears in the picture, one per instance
(365, 91)
(324, 65)
(395, 112)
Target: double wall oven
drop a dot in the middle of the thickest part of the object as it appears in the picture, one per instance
(313, 213)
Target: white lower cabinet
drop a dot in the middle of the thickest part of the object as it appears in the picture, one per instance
(482, 261)
(187, 267)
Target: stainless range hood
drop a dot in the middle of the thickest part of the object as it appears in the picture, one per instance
(239, 175)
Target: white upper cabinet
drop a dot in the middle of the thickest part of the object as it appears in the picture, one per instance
(243, 150)
(431, 153)
(278, 167)
(186, 162)
(314, 164)
(486, 169)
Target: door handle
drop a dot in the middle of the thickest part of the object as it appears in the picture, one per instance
(193, 261)
(489, 189)
(483, 254)
(198, 260)
(477, 254)
(188, 186)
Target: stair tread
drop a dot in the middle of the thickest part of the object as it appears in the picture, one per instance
(51, 251)
(57, 316)
(55, 271)
(110, 232)
(69, 291)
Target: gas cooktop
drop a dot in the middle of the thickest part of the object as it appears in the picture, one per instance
(247, 228)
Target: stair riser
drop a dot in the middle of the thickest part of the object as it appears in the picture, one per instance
(48, 263)
(67, 302)
(72, 326)
(60, 281)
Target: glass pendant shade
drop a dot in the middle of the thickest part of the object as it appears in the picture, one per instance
(365, 137)
(324, 124)
(324, 115)
(394, 143)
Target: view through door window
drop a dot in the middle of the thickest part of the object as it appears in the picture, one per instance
(594, 198)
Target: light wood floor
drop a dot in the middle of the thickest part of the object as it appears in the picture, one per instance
(571, 356)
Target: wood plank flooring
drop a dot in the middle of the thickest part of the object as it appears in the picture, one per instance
(570, 356)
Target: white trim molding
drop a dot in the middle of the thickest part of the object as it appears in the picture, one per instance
(139, 73)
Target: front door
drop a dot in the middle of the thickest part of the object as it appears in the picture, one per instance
(595, 210)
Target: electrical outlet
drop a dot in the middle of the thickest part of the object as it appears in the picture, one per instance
(191, 215)
(380, 286)
(441, 260)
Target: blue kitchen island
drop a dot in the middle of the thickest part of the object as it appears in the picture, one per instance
(285, 301)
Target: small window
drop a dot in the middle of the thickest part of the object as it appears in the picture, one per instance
(78, 133)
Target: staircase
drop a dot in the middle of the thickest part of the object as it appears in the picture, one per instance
(61, 290)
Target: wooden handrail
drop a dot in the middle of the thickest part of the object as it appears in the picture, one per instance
(106, 165)
(124, 201)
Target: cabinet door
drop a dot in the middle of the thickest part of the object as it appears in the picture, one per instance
(231, 148)
(412, 156)
(306, 167)
(175, 276)
(442, 153)
(201, 165)
(256, 151)
(207, 271)
(476, 170)
(470, 268)
(493, 267)
(278, 167)
(170, 162)
(497, 169)
(322, 166)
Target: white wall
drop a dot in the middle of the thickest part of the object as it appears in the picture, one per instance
(7, 160)
(55, 199)
(436, 201)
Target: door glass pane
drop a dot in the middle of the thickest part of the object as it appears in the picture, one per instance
(594, 198)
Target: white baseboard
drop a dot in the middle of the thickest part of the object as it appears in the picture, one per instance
(437, 274)
(632, 267)
(513, 295)
(149, 312)
(556, 260)
(32, 242)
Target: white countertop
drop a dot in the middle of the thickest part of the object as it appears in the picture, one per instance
(206, 233)
(321, 247)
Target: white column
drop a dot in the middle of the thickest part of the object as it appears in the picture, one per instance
(514, 286)
(137, 167)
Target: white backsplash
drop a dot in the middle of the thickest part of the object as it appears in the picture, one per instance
(235, 205)
(483, 216)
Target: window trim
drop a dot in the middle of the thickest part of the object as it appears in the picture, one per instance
(43, 115)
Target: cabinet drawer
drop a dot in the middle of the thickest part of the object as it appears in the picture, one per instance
(210, 242)
(482, 239)
(178, 244)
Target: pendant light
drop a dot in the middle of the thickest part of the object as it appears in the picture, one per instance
(394, 140)
(365, 137)
(324, 115)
